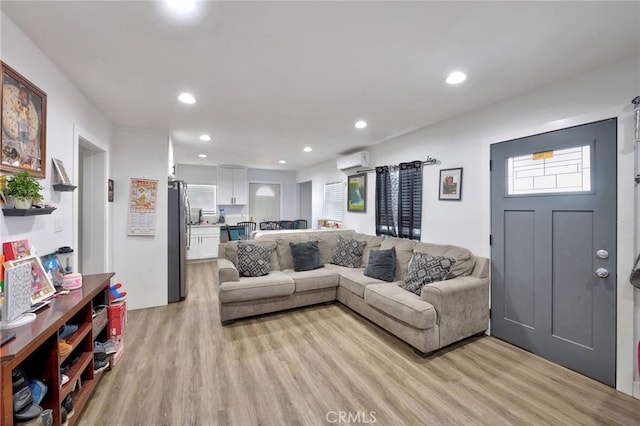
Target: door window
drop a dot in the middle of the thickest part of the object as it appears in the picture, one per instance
(557, 171)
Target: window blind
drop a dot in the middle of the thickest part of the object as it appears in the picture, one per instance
(333, 201)
(203, 197)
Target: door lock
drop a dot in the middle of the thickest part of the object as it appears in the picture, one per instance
(602, 273)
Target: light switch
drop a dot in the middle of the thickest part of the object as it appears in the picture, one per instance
(57, 223)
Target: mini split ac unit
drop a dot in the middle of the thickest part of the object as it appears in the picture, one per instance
(357, 159)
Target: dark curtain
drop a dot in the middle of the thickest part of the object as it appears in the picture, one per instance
(410, 200)
(399, 200)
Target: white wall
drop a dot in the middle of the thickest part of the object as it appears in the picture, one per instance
(465, 142)
(66, 107)
(140, 262)
(201, 175)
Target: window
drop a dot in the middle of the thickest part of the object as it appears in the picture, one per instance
(333, 201)
(399, 200)
(562, 170)
(202, 197)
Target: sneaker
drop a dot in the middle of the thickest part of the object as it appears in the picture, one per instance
(109, 347)
(38, 390)
(64, 379)
(99, 366)
(67, 330)
(67, 403)
(100, 356)
(64, 421)
(47, 417)
(64, 348)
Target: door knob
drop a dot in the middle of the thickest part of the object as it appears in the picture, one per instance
(602, 273)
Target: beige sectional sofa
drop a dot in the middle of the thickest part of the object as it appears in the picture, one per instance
(445, 311)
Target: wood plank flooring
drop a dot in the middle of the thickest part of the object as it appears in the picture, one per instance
(327, 365)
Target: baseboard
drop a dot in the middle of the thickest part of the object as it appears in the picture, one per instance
(636, 389)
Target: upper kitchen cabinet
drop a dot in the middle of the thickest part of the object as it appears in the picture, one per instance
(233, 187)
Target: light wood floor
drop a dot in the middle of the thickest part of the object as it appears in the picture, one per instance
(305, 367)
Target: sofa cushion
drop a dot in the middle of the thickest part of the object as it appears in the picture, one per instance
(463, 257)
(313, 279)
(253, 259)
(425, 268)
(355, 280)
(382, 264)
(306, 256)
(401, 304)
(231, 252)
(404, 253)
(277, 283)
(348, 252)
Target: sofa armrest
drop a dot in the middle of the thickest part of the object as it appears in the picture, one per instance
(227, 271)
(462, 305)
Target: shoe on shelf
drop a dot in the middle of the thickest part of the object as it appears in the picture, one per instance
(99, 365)
(67, 403)
(109, 347)
(99, 356)
(67, 330)
(64, 421)
(64, 348)
(47, 417)
(38, 390)
(64, 380)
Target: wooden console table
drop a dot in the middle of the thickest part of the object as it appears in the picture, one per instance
(35, 349)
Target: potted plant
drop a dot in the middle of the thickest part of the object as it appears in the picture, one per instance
(23, 189)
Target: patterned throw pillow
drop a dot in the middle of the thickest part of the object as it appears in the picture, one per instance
(424, 269)
(253, 260)
(348, 252)
(306, 256)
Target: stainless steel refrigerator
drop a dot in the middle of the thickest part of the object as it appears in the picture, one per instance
(179, 237)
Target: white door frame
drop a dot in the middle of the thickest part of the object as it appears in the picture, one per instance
(97, 179)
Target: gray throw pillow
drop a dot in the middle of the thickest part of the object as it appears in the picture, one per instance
(382, 264)
(306, 256)
(348, 252)
(253, 260)
(425, 268)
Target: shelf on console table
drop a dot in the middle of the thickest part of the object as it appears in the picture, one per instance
(28, 212)
(41, 337)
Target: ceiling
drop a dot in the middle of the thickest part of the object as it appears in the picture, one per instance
(273, 77)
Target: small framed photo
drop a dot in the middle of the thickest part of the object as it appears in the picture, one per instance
(357, 193)
(54, 268)
(451, 184)
(41, 286)
(63, 177)
(110, 185)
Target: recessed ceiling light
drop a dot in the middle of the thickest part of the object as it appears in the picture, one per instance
(456, 77)
(202, 155)
(205, 137)
(360, 124)
(186, 98)
(308, 149)
(182, 5)
(282, 162)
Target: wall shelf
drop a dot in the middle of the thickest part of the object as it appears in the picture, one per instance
(63, 188)
(28, 212)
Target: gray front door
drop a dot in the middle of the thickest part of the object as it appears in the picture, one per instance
(553, 226)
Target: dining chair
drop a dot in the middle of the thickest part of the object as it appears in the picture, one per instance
(286, 224)
(246, 229)
(233, 232)
(300, 224)
(270, 225)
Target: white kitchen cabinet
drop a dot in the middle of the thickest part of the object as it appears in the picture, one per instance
(233, 186)
(204, 242)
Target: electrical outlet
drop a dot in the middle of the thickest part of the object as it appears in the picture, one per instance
(57, 223)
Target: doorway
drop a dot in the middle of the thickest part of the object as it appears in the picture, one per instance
(92, 243)
(264, 201)
(553, 251)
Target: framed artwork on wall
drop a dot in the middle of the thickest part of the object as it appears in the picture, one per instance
(450, 184)
(110, 187)
(357, 193)
(24, 123)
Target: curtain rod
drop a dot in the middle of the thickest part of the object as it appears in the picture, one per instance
(428, 162)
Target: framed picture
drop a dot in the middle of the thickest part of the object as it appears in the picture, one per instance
(41, 285)
(357, 193)
(54, 268)
(63, 177)
(24, 123)
(451, 184)
(110, 185)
